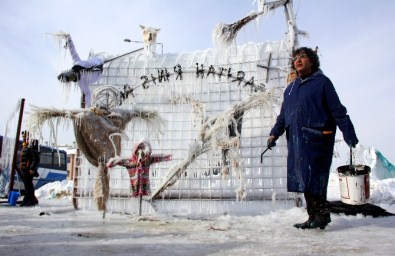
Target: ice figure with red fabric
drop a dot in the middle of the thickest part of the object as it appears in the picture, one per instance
(139, 165)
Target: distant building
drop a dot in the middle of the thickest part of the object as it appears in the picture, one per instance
(71, 159)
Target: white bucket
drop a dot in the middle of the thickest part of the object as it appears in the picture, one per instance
(354, 184)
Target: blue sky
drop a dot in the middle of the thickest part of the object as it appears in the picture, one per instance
(355, 40)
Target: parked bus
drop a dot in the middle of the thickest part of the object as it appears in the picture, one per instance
(52, 167)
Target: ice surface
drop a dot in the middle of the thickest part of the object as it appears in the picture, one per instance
(55, 228)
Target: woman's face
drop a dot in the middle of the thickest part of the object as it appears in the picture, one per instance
(302, 64)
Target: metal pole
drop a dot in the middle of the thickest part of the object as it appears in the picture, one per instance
(139, 186)
(140, 204)
(116, 57)
(264, 153)
(18, 131)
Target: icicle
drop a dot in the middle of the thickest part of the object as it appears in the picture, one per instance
(102, 188)
(122, 135)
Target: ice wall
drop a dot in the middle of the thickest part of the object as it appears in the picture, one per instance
(189, 88)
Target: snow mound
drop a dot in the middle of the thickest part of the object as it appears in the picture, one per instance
(57, 189)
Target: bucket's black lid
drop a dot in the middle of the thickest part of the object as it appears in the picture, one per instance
(351, 170)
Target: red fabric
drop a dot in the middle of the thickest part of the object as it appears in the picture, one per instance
(139, 168)
(139, 180)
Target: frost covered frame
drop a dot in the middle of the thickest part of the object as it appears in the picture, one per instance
(186, 102)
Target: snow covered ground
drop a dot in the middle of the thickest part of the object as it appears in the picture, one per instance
(55, 228)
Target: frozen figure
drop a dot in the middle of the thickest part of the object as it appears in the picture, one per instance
(84, 72)
(138, 166)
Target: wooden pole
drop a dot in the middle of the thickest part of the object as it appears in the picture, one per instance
(75, 178)
(18, 131)
(140, 204)
(77, 164)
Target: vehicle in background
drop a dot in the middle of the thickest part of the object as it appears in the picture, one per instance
(52, 167)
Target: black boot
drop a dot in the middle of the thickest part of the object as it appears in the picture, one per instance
(25, 201)
(318, 211)
(35, 200)
(318, 221)
(311, 224)
(323, 214)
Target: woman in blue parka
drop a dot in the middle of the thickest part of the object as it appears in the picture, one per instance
(310, 113)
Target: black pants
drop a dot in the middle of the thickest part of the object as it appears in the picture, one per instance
(30, 198)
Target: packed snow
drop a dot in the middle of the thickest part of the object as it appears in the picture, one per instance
(54, 227)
